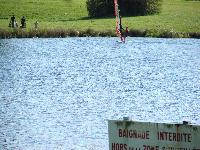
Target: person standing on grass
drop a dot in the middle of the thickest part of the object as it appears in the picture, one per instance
(12, 23)
(23, 22)
(36, 25)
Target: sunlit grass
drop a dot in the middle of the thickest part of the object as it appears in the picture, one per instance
(176, 15)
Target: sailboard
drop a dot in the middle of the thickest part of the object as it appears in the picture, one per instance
(118, 33)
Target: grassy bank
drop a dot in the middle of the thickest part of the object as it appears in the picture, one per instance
(44, 33)
(61, 18)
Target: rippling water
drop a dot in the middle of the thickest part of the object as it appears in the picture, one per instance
(59, 93)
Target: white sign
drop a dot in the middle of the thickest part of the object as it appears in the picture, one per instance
(131, 135)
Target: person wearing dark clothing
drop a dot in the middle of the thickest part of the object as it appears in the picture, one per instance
(120, 24)
(23, 22)
(12, 22)
(124, 33)
(121, 28)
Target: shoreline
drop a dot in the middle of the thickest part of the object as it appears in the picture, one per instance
(62, 33)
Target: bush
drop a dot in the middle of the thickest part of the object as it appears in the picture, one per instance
(173, 34)
(194, 35)
(153, 7)
(102, 8)
(5, 34)
(88, 32)
(136, 33)
(139, 7)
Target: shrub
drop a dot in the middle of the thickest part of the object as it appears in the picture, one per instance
(173, 34)
(136, 33)
(107, 33)
(102, 8)
(194, 35)
(5, 34)
(139, 7)
(153, 7)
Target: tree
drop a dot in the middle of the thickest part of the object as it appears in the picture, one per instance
(105, 8)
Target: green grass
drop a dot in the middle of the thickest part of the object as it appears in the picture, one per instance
(176, 15)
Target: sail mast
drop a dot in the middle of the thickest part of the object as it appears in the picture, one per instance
(117, 18)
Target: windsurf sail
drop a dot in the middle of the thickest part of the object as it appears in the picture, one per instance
(117, 18)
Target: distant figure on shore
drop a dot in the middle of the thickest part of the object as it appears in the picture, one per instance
(23, 22)
(36, 25)
(13, 22)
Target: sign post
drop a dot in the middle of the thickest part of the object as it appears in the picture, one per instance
(131, 135)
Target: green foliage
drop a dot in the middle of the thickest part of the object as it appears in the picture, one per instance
(101, 8)
(137, 33)
(153, 7)
(181, 16)
(61, 33)
(194, 35)
(139, 7)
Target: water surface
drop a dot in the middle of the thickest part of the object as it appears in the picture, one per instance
(59, 93)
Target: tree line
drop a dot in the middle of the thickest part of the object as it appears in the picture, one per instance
(105, 8)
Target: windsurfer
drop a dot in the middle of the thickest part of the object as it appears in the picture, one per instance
(124, 33)
(120, 24)
(119, 28)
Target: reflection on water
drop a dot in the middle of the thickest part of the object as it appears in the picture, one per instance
(59, 93)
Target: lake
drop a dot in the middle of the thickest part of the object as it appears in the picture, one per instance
(59, 93)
